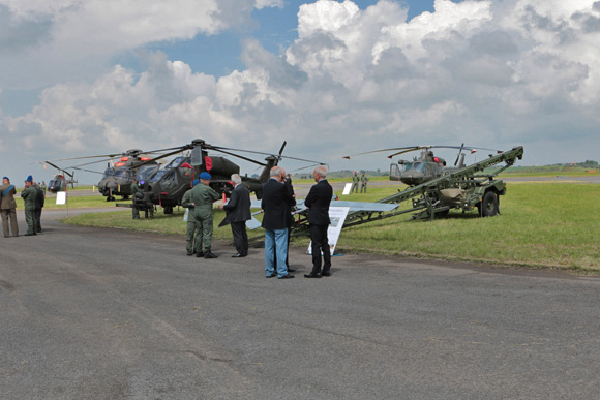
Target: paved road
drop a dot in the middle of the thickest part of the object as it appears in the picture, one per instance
(109, 314)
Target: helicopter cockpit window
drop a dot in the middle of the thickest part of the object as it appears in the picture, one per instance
(108, 172)
(146, 172)
(414, 166)
(185, 171)
(169, 181)
(175, 162)
(156, 177)
(123, 174)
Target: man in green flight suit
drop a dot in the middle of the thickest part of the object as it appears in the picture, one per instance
(28, 194)
(355, 181)
(135, 213)
(199, 200)
(363, 183)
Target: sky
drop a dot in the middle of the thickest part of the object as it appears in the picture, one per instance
(332, 78)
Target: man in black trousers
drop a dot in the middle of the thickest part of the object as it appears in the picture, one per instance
(238, 212)
(317, 201)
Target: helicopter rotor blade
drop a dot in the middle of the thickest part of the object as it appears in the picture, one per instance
(242, 157)
(410, 148)
(458, 155)
(267, 154)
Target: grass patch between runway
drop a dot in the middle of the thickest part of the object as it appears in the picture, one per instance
(543, 225)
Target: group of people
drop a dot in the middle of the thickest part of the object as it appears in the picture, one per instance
(278, 199)
(359, 180)
(33, 197)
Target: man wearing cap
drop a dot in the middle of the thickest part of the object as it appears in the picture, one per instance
(8, 208)
(238, 212)
(28, 194)
(199, 201)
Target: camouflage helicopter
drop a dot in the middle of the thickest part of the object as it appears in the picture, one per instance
(425, 167)
(117, 178)
(166, 187)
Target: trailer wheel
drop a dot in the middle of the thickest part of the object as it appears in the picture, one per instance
(489, 204)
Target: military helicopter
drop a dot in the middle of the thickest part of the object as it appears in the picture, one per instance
(425, 167)
(118, 177)
(168, 184)
(59, 182)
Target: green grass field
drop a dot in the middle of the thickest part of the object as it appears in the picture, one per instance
(543, 225)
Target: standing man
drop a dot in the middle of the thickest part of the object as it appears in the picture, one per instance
(238, 212)
(200, 202)
(39, 204)
(355, 182)
(135, 189)
(44, 187)
(289, 221)
(8, 208)
(275, 202)
(28, 194)
(363, 183)
(317, 201)
(191, 229)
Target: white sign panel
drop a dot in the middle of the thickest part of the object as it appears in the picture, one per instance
(347, 188)
(337, 215)
(61, 198)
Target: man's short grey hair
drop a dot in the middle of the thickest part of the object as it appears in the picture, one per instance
(322, 171)
(235, 178)
(276, 171)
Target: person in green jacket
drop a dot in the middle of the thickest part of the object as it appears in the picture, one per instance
(135, 212)
(355, 181)
(28, 194)
(199, 200)
(363, 183)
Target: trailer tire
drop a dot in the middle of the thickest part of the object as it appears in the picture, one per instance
(489, 204)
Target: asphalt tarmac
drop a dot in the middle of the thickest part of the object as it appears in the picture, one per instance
(110, 314)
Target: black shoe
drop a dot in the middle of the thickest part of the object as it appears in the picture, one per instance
(291, 270)
(311, 275)
(270, 276)
(288, 276)
(325, 273)
(208, 254)
(190, 252)
(201, 254)
(29, 234)
(238, 255)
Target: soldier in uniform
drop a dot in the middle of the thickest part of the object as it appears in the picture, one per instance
(363, 183)
(8, 208)
(44, 187)
(39, 204)
(135, 213)
(200, 201)
(28, 194)
(191, 229)
(355, 182)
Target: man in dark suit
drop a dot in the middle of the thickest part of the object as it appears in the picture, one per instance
(238, 212)
(275, 203)
(317, 201)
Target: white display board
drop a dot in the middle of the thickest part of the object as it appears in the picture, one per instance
(61, 198)
(347, 188)
(337, 215)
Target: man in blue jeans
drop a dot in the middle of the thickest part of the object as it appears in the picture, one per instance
(275, 203)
